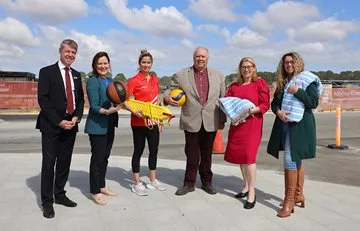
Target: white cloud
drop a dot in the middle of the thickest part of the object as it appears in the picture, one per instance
(245, 37)
(325, 30)
(47, 11)
(52, 34)
(220, 10)
(316, 47)
(89, 44)
(10, 51)
(187, 43)
(166, 21)
(15, 32)
(283, 13)
(209, 28)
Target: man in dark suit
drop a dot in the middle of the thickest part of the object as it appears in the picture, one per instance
(61, 99)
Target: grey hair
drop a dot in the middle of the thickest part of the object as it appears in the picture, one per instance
(199, 48)
(69, 42)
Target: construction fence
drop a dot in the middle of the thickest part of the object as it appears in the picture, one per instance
(23, 95)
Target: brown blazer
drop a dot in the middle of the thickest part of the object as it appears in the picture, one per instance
(193, 114)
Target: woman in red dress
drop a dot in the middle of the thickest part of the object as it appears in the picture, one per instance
(244, 139)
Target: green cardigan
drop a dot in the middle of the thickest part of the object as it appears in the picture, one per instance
(96, 123)
(303, 133)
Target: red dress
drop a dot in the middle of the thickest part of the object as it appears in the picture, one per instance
(244, 139)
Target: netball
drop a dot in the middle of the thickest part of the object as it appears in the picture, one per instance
(117, 92)
(179, 96)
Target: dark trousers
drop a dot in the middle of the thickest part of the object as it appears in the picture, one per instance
(198, 150)
(56, 153)
(140, 134)
(100, 152)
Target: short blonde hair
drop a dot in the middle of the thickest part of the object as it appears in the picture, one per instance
(69, 42)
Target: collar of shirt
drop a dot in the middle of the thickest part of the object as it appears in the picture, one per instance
(140, 75)
(62, 66)
(204, 72)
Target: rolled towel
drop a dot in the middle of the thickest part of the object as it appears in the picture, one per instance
(294, 107)
(235, 108)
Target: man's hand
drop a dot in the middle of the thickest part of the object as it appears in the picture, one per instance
(221, 125)
(74, 120)
(66, 124)
(170, 101)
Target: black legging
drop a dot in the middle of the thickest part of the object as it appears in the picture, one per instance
(140, 133)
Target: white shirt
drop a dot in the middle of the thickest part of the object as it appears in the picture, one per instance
(62, 70)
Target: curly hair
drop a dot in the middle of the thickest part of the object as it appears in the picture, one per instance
(240, 78)
(282, 76)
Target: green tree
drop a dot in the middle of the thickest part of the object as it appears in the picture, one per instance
(120, 77)
(165, 81)
(269, 77)
(229, 79)
(84, 77)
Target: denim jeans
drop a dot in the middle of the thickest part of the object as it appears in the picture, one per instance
(288, 163)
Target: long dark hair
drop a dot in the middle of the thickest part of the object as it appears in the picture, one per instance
(96, 59)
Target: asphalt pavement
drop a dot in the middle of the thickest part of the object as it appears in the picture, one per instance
(332, 185)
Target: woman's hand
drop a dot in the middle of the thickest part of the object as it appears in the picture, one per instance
(283, 115)
(293, 89)
(138, 114)
(113, 109)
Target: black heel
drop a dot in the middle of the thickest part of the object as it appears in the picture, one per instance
(250, 205)
(242, 194)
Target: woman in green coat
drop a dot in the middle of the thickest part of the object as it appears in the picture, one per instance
(295, 136)
(100, 125)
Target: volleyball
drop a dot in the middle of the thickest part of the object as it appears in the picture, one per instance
(117, 92)
(179, 96)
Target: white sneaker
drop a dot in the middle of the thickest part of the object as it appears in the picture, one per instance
(139, 189)
(155, 185)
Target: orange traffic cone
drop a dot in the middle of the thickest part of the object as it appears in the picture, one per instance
(218, 145)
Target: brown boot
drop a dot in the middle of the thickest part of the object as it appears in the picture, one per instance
(299, 195)
(286, 181)
(289, 201)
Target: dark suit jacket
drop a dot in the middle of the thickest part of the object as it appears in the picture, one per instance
(52, 99)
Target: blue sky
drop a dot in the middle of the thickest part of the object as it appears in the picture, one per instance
(325, 33)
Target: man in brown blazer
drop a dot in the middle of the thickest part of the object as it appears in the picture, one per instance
(200, 118)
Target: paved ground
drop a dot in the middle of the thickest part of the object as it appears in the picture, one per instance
(332, 185)
(328, 206)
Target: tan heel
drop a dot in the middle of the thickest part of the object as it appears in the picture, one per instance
(98, 199)
(107, 192)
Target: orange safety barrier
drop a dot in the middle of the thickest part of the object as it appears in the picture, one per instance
(337, 144)
(218, 145)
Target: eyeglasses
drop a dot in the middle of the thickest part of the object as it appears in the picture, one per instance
(246, 67)
(289, 62)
